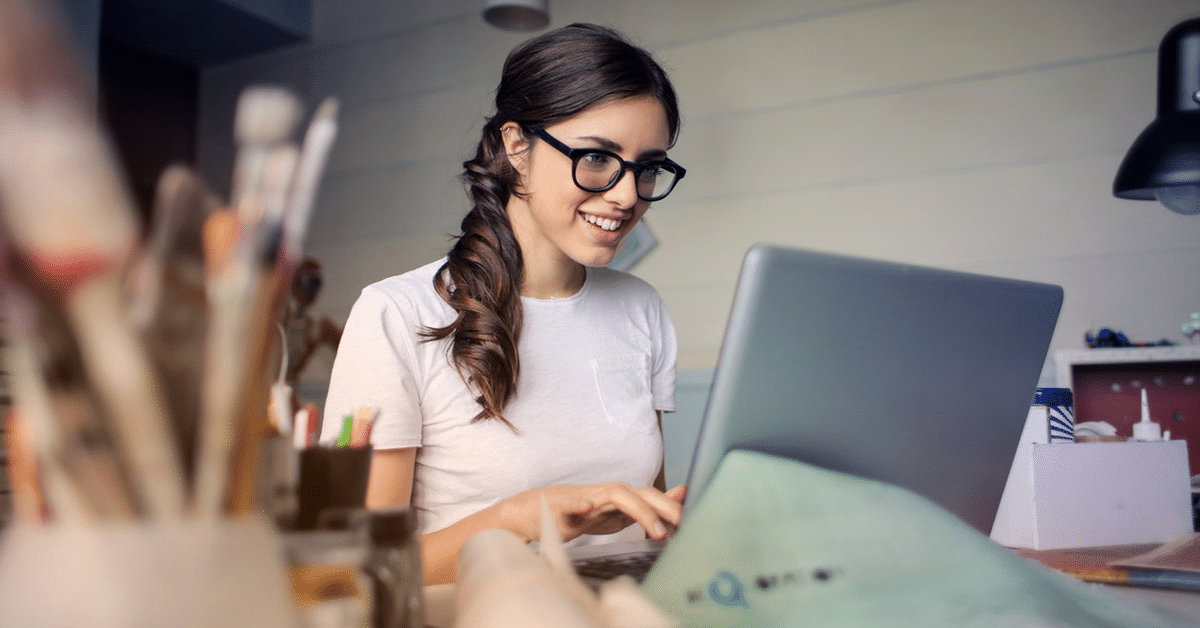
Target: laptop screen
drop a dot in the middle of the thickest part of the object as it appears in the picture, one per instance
(914, 376)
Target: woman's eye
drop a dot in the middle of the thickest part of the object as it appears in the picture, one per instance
(598, 161)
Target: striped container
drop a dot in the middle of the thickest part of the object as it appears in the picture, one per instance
(1057, 406)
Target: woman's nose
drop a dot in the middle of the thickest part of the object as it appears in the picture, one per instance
(624, 193)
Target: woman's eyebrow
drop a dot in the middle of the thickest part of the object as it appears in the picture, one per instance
(607, 144)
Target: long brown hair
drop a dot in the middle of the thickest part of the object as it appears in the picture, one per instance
(546, 80)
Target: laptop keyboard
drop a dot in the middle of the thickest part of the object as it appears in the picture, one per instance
(609, 567)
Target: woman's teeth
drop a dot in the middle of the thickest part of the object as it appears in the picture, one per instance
(607, 224)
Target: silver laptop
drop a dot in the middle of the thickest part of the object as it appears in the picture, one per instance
(914, 376)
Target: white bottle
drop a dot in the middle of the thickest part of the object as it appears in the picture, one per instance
(1146, 429)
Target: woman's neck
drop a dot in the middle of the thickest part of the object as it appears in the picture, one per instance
(547, 273)
(545, 279)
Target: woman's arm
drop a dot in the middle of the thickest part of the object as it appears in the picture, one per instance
(390, 481)
(579, 509)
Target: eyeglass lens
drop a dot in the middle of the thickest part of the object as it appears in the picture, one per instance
(598, 171)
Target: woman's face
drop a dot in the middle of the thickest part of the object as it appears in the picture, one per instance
(555, 221)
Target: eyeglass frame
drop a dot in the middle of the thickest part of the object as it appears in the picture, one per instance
(576, 154)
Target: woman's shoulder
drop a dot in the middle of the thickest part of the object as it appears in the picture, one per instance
(417, 278)
(411, 290)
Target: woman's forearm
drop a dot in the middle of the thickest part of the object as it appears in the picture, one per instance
(439, 550)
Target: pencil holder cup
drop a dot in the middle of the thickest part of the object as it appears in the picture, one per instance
(168, 574)
(331, 478)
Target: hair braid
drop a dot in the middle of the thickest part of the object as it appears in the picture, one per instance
(481, 280)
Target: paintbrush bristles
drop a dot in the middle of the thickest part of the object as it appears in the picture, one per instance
(266, 115)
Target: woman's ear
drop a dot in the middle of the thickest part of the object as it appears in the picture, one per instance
(516, 145)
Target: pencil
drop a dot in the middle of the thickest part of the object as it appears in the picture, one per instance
(360, 429)
(343, 438)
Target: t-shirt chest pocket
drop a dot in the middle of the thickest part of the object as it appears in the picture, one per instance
(623, 383)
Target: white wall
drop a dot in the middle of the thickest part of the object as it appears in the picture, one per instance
(979, 135)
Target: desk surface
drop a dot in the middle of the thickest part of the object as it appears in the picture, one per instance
(439, 602)
(1091, 563)
(439, 599)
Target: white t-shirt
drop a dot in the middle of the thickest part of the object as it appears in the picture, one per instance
(595, 367)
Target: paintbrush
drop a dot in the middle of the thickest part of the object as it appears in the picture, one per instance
(68, 214)
(258, 341)
(77, 462)
(292, 220)
(241, 294)
(314, 154)
(167, 299)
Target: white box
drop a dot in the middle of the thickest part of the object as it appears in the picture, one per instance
(1091, 494)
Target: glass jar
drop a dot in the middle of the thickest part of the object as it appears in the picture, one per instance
(330, 587)
(394, 567)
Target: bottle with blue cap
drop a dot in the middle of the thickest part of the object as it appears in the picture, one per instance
(1056, 405)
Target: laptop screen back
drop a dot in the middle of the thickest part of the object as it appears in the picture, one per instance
(913, 376)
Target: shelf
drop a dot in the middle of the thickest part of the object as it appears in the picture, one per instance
(1064, 359)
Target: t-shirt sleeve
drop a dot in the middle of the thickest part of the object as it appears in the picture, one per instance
(375, 366)
(662, 379)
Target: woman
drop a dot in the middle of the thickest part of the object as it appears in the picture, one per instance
(519, 367)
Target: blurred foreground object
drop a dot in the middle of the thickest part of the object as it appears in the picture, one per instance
(137, 360)
(778, 542)
(502, 583)
(82, 377)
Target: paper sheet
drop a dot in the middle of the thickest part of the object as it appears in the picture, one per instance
(774, 542)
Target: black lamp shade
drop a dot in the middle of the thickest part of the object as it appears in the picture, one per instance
(1167, 153)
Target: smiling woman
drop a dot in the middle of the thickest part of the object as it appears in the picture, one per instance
(519, 367)
(549, 216)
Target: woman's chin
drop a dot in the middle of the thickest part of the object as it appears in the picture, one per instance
(597, 258)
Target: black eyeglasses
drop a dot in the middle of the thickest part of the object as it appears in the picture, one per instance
(598, 170)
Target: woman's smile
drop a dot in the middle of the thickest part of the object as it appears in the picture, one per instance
(607, 224)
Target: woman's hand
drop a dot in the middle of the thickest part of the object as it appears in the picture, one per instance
(597, 509)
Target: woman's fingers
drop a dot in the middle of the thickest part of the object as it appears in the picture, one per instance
(604, 509)
(620, 504)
